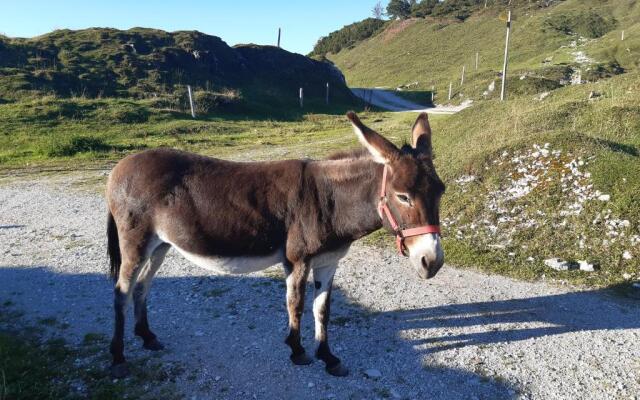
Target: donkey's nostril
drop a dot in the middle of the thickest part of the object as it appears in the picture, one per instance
(425, 263)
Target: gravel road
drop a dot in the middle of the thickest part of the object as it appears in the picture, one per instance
(388, 100)
(462, 335)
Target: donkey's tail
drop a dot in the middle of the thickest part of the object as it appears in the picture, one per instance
(113, 247)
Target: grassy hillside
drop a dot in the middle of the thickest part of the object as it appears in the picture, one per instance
(432, 51)
(152, 64)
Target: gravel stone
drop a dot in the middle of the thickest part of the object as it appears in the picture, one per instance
(373, 373)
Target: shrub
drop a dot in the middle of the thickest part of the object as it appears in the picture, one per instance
(531, 85)
(123, 112)
(586, 23)
(74, 145)
(602, 71)
(347, 36)
(207, 101)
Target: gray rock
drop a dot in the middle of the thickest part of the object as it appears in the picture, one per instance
(373, 373)
(559, 265)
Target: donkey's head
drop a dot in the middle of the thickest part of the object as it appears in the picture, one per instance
(412, 192)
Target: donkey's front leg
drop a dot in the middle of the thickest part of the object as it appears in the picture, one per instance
(296, 282)
(323, 280)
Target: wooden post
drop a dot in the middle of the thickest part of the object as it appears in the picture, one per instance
(622, 36)
(506, 58)
(193, 110)
(464, 67)
(433, 90)
(279, 37)
(301, 98)
(450, 89)
(327, 94)
(477, 59)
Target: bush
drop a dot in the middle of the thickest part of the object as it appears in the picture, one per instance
(602, 71)
(347, 36)
(207, 101)
(123, 112)
(531, 85)
(587, 23)
(74, 145)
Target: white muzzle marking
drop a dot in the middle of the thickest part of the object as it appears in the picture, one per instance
(427, 246)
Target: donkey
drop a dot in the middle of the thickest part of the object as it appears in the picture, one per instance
(240, 217)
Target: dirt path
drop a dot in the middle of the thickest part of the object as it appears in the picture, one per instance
(463, 335)
(387, 100)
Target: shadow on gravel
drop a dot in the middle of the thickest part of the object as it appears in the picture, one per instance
(199, 315)
(535, 317)
(11, 226)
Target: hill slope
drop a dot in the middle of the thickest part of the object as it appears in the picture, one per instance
(144, 63)
(433, 51)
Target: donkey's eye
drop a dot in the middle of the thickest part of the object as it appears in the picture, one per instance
(404, 198)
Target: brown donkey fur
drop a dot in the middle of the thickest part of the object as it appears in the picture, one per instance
(242, 217)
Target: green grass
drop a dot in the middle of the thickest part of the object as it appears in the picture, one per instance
(38, 366)
(55, 131)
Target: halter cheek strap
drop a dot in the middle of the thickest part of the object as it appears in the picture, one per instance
(401, 234)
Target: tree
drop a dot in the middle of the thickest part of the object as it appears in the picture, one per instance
(378, 11)
(399, 9)
(423, 8)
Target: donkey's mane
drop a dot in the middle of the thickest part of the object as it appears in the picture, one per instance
(349, 154)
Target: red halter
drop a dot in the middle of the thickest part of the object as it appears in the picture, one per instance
(401, 234)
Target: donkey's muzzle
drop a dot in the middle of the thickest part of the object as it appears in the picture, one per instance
(430, 267)
(426, 255)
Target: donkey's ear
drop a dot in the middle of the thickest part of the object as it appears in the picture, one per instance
(421, 134)
(382, 150)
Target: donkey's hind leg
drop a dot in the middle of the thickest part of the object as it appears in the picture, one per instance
(133, 260)
(143, 284)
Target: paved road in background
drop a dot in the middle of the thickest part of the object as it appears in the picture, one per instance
(388, 100)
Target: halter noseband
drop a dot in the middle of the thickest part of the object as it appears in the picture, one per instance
(401, 234)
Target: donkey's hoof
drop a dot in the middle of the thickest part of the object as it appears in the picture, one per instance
(153, 345)
(301, 359)
(119, 371)
(338, 370)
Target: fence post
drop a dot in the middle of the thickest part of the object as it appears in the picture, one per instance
(464, 67)
(327, 95)
(279, 37)
(477, 59)
(506, 59)
(450, 89)
(433, 89)
(301, 98)
(622, 36)
(193, 110)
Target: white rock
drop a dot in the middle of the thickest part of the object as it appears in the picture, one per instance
(585, 266)
(604, 197)
(373, 373)
(311, 384)
(557, 264)
(627, 255)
